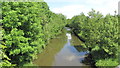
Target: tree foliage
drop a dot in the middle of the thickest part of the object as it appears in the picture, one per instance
(100, 34)
(27, 27)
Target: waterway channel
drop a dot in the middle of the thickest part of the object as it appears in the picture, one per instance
(64, 50)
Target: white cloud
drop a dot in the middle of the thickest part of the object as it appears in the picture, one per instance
(108, 7)
(71, 10)
(104, 6)
(96, 2)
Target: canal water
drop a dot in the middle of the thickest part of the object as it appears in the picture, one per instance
(65, 50)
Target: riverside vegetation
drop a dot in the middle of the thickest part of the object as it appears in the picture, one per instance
(28, 26)
(100, 36)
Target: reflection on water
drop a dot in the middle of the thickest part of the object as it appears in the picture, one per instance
(69, 55)
(68, 35)
(47, 57)
(62, 52)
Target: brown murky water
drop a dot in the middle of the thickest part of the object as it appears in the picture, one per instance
(62, 51)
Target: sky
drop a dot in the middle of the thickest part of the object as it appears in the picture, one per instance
(70, 8)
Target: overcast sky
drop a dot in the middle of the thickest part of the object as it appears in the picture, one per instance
(74, 7)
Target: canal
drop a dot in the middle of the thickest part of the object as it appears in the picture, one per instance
(64, 50)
